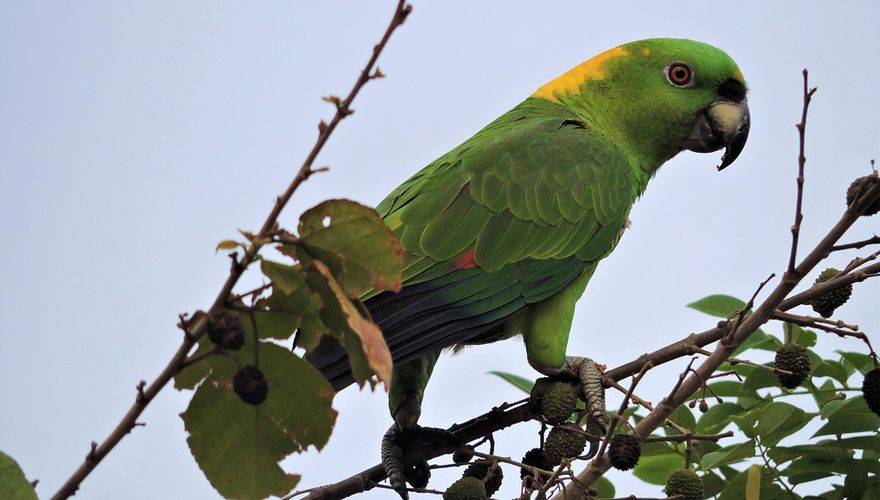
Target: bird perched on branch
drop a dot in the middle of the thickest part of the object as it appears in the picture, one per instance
(503, 233)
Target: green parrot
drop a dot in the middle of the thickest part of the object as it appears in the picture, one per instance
(503, 233)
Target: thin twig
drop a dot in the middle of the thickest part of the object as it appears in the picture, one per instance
(798, 215)
(680, 438)
(127, 422)
(873, 240)
(623, 405)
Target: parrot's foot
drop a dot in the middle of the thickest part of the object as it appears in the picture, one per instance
(398, 441)
(589, 373)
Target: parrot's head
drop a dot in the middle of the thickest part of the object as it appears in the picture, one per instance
(659, 96)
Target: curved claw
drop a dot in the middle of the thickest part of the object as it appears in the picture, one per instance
(589, 374)
(392, 460)
(397, 442)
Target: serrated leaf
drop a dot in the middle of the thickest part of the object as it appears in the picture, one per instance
(361, 252)
(728, 455)
(853, 415)
(655, 469)
(237, 445)
(367, 351)
(720, 306)
(520, 383)
(292, 305)
(13, 484)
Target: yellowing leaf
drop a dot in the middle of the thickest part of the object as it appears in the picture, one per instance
(227, 245)
(753, 483)
(368, 353)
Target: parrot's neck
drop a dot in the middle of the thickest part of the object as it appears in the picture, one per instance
(636, 139)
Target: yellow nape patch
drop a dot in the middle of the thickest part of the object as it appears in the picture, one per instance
(739, 75)
(570, 82)
(646, 51)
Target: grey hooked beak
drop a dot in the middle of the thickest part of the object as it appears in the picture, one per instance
(724, 124)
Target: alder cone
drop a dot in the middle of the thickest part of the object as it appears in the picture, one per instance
(481, 469)
(225, 329)
(862, 185)
(536, 458)
(558, 402)
(562, 443)
(793, 358)
(466, 488)
(826, 304)
(686, 483)
(624, 451)
(871, 390)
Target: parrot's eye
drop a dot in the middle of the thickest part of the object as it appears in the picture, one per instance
(679, 74)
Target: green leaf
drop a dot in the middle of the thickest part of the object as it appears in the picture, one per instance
(856, 361)
(361, 252)
(718, 305)
(520, 383)
(604, 488)
(367, 351)
(13, 484)
(238, 445)
(655, 469)
(717, 418)
(851, 416)
(683, 417)
(712, 484)
(728, 455)
(829, 368)
(760, 341)
(802, 336)
(292, 305)
(779, 420)
(824, 394)
(758, 378)
(823, 451)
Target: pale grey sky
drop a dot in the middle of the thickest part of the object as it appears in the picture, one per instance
(135, 136)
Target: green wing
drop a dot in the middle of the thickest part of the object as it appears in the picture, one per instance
(508, 219)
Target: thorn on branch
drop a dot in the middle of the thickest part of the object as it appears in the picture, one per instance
(92, 456)
(140, 398)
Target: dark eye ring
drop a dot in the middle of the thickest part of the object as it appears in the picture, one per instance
(679, 74)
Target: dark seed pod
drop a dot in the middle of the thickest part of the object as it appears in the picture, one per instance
(466, 488)
(686, 483)
(250, 385)
(483, 470)
(871, 390)
(563, 441)
(860, 186)
(624, 451)
(558, 402)
(418, 475)
(536, 458)
(460, 457)
(225, 329)
(827, 303)
(704, 406)
(793, 358)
